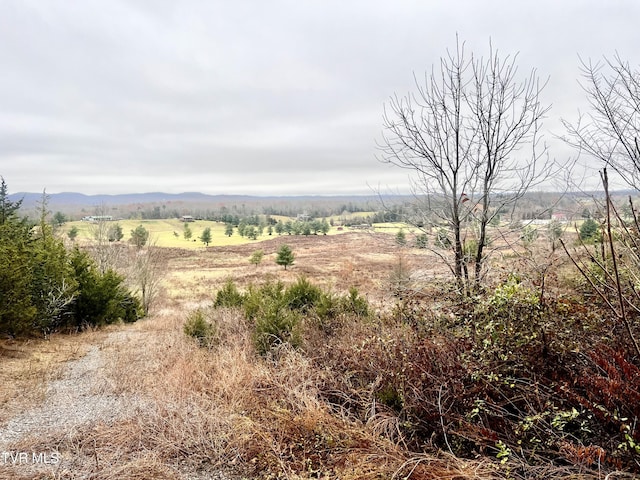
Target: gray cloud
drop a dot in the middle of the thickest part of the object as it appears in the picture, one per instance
(279, 97)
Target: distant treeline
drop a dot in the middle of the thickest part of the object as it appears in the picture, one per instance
(348, 209)
(165, 206)
(234, 213)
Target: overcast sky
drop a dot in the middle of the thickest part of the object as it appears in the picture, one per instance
(256, 97)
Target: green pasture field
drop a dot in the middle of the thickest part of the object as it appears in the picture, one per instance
(163, 232)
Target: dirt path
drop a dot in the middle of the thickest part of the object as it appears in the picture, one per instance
(79, 397)
(84, 396)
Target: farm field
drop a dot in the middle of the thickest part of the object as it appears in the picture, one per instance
(337, 262)
(319, 242)
(170, 232)
(166, 233)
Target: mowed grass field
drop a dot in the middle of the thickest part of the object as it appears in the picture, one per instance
(170, 232)
(164, 233)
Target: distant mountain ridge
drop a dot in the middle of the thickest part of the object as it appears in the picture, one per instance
(82, 200)
(74, 199)
(195, 203)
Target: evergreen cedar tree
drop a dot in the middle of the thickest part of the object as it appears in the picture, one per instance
(285, 256)
(206, 236)
(46, 288)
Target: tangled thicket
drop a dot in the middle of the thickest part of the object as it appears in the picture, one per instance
(503, 375)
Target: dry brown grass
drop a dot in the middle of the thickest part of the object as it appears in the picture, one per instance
(362, 260)
(225, 408)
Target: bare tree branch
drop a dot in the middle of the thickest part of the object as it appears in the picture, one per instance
(610, 130)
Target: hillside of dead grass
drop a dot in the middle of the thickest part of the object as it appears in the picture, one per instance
(225, 412)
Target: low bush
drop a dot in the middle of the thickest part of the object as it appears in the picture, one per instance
(101, 298)
(302, 295)
(384, 372)
(256, 297)
(502, 375)
(274, 311)
(275, 326)
(328, 313)
(603, 386)
(508, 321)
(355, 304)
(510, 375)
(197, 327)
(229, 296)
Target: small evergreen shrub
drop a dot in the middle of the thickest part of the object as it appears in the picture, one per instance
(529, 235)
(256, 257)
(251, 304)
(590, 231)
(327, 306)
(130, 308)
(196, 326)
(285, 256)
(400, 278)
(328, 313)
(302, 295)
(355, 303)
(275, 326)
(229, 296)
(101, 298)
(275, 312)
(256, 297)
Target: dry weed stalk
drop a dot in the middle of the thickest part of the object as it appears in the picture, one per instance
(612, 289)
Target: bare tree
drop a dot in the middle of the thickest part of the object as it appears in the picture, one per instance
(610, 130)
(463, 134)
(612, 270)
(107, 254)
(147, 268)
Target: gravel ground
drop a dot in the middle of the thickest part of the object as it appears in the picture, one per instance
(78, 398)
(82, 397)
